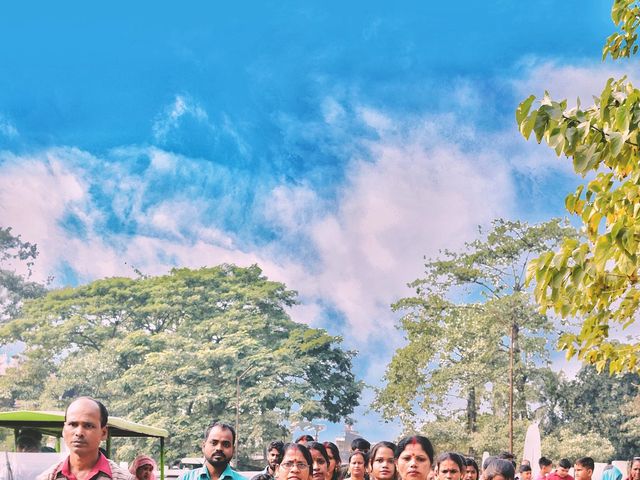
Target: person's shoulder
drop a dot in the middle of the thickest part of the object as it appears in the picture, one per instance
(48, 473)
(191, 474)
(119, 473)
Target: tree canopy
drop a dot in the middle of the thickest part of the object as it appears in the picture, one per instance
(596, 278)
(171, 350)
(15, 287)
(457, 327)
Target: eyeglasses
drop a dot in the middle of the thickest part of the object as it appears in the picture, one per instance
(290, 465)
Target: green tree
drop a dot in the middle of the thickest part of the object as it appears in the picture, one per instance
(593, 403)
(596, 278)
(171, 351)
(567, 443)
(14, 287)
(458, 348)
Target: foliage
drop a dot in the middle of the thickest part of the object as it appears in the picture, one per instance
(460, 349)
(626, 16)
(169, 351)
(14, 287)
(596, 278)
(568, 443)
(594, 403)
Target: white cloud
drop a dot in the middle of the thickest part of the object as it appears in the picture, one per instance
(170, 119)
(564, 81)
(7, 129)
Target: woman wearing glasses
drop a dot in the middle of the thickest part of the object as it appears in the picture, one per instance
(296, 464)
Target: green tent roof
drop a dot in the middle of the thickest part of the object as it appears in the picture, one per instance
(50, 423)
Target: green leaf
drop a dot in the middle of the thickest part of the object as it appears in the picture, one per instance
(523, 109)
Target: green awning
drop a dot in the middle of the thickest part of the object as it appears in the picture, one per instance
(50, 423)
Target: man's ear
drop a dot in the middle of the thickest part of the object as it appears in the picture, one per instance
(105, 433)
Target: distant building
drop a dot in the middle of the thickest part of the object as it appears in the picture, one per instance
(344, 442)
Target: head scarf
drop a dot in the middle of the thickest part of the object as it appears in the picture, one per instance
(140, 461)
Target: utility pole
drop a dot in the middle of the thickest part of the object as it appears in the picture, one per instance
(238, 378)
(513, 339)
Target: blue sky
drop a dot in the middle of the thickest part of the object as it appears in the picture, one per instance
(333, 143)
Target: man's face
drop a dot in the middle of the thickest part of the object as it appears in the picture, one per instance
(581, 473)
(525, 475)
(562, 472)
(273, 458)
(546, 469)
(218, 447)
(82, 432)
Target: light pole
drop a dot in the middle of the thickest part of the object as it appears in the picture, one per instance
(238, 378)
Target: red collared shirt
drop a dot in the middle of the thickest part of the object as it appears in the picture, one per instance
(102, 465)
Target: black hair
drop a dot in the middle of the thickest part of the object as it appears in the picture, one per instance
(525, 468)
(104, 414)
(360, 444)
(305, 438)
(470, 462)
(302, 449)
(544, 462)
(454, 457)
(508, 456)
(276, 445)
(223, 426)
(564, 463)
(335, 452)
(586, 462)
(487, 461)
(317, 446)
(424, 442)
(262, 476)
(499, 466)
(358, 452)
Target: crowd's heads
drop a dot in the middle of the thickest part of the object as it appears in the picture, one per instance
(472, 472)
(382, 461)
(142, 467)
(304, 439)
(334, 459)
(563, 467)
(424, 443)
(29, 440)
(487, 461)
(525, 472)
(274, 453)
(583, 468)
(544, 462)
(508, 456)
(319, 447)
(499, 467)
(104, 414)
(360, 444)
(219, 445)
(82, 412)
(634, 468)
(357, 464)
(223, 426)
(293, 454)
(453, 457)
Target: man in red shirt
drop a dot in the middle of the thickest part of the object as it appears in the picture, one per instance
(562, 471)
(546, 466)
(85, 426)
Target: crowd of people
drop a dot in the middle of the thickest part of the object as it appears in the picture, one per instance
(412, 458)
